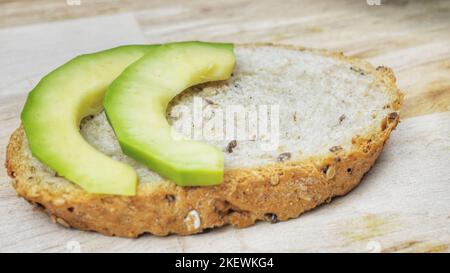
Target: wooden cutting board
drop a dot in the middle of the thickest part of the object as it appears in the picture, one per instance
(402, 204)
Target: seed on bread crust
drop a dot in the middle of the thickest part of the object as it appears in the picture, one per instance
(274, 180)
(393, 115)
(170, 197)
(62, 222)
(59, 202)
(192, 220)
(271, 217)
(331, 171)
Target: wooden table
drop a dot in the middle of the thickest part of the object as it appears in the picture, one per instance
(402, 205)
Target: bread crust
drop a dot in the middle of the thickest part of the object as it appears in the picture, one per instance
(272, 193)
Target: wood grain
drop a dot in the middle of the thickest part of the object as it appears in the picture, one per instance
(412, 37)
(403, 203)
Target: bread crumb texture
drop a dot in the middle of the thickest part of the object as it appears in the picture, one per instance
(335, 114)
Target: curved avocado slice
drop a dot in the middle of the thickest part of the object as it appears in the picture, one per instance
(136, 103)
(53, 111)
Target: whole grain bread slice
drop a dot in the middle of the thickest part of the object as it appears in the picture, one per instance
(335, 115)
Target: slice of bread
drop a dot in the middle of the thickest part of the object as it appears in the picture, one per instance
(335, 114)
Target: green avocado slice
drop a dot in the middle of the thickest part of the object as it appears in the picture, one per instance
(53, 111)
(136, 103)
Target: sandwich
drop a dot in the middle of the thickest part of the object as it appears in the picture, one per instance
(184, 137)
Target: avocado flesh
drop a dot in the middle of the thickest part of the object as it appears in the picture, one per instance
(53, 111)
(136, 103)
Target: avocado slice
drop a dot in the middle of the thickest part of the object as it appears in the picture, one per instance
(53, 111)
(136, 103)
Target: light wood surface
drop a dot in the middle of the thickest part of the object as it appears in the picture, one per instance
(403, 203)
